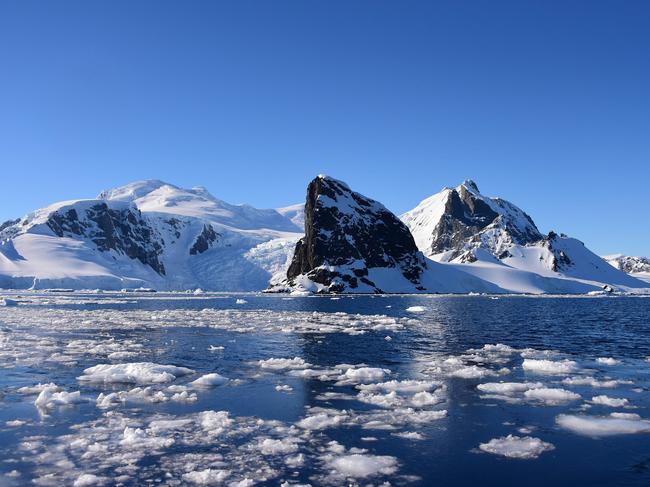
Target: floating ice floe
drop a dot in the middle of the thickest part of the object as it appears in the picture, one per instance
(146, 395)
(272, 446)
(551, 396)
(90, 480)
(543, 366)
(614, 424)
(508, 387)
(409, 435)
(111, 348)
(407, 385)
(284, 363)
(15, 423)
(459, 367)
(416, 309)
(133, 373)
(323, 419)
(593, 382)
(613, 402)
(525, 448)
(241, 301)
(607, 361)
(38, 388)
(48, 399)
(209, 380)
(283, 388)
(209, 476)
(363, 466)
(364, 374)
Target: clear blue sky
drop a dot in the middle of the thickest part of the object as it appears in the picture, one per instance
(545, 103)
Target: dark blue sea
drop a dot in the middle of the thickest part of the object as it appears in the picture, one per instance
(355, 390)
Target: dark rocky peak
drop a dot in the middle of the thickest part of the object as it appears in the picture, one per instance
(469, 220)
(205, 240)
(631, 264)
(346, 234)
(471, 186)
(8, 229)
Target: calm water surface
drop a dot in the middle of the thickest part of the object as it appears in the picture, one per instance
(59, 443)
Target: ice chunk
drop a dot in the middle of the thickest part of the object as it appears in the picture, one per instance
(362, 466)
(613, 402)
(270, 446)
(38, 388)
(416, 309)
(209, 380)
(15, 423)
(215, 422)
(48, 399)
(508, 387)
(133, 373)
(89, 479)
(208, 476)
(607, 361)
(364, 374)
(409, 435)
(551, 396)
(592, 381)
(544, 366)
(424, 398)
(615, 424)
(322, 421)
(511, 446)
(283, 363)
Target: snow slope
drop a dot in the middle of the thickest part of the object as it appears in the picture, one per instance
(147, 234)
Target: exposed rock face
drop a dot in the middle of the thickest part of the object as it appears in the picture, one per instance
(346, 235)
(123, 230)
(459, 220)
(8, 224)
(205, 239)
(629, 264)
(560, 260)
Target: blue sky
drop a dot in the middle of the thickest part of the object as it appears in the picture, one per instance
(545, 103)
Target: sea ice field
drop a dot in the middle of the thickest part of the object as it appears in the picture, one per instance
(252, 389)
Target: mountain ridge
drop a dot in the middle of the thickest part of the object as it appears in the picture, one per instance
(150, 233)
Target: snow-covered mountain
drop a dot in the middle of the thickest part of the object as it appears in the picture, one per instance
(353, 244)
(494, 239)
(151, 234)
(638, 267)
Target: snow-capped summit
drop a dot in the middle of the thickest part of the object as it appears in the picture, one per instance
(160, 197)
(132, 191)
(148, 233)
(496, 240)
(452, 223)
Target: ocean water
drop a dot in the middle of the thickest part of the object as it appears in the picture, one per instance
(352, 390)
